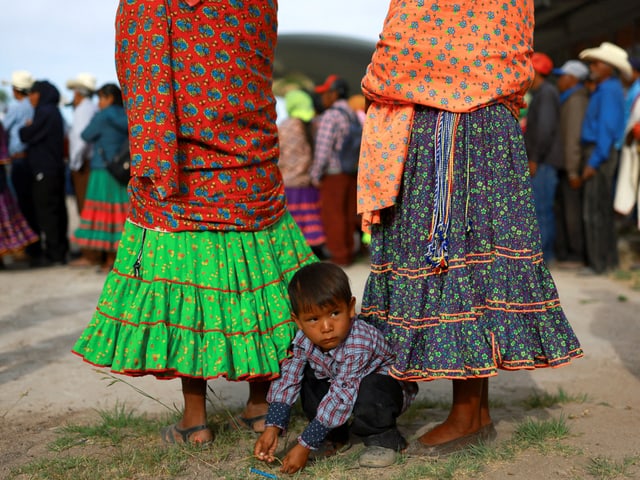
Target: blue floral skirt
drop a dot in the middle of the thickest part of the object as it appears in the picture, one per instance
(458, 284)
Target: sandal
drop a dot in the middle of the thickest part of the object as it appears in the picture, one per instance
(169, 438)
(245, 424)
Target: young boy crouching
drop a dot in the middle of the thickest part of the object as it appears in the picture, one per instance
(339, 367)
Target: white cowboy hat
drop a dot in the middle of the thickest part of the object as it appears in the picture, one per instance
(610, 54)
(84, 81)
(21, 80)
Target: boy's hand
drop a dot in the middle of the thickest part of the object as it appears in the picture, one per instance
(296, 459)
(266, 445)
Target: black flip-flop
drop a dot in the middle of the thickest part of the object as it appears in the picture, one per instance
(244, 424)
(168, 434)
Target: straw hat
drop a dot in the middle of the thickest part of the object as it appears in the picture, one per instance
(83, 81)
(610, 54)
(20, 80)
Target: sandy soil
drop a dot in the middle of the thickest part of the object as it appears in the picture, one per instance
(43, 386)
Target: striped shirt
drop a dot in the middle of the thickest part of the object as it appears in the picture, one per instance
(362, 353)
(333, 127)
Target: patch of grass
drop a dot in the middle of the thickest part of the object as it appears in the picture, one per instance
(620, 274)
(548, 400)
(125, 445)
(604, 468)
(113, 427)
(535, 433)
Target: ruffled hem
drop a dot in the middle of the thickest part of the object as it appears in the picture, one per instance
(495, 326)
(198, 304)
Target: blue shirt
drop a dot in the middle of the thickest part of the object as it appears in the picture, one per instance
(604, 120)
(362, 353)
(107, 130)
(17, 116)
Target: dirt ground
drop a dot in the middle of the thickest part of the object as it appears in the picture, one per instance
(44, 386)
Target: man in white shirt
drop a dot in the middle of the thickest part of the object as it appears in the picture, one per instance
(83, 87)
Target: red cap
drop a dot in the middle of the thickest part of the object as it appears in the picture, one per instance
(541, 63)
(328, 84)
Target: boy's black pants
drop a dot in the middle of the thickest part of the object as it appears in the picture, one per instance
(378, 405)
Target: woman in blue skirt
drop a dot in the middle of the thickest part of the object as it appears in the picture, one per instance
(458, 283)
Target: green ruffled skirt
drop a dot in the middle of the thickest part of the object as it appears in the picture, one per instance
(197, 304)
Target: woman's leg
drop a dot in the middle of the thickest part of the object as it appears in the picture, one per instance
(194, 391)
(469, 412)
(257, 405)
(109, 260)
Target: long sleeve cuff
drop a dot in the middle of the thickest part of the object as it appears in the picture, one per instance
(278, 415)
(313, 435)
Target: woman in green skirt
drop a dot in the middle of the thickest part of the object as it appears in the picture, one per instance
(105, 207)
(198, 289)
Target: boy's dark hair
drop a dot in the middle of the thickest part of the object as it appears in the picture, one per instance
(113, 90)
(319, 284)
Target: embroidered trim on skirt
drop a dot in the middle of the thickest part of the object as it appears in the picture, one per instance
(104, 213)
(304, 205)
(197, 304)
(458, 284)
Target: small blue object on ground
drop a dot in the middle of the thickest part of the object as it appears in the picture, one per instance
(264, 474)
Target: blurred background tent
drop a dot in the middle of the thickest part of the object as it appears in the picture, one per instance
(306, 60)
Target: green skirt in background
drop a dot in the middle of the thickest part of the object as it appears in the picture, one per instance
(197, 304)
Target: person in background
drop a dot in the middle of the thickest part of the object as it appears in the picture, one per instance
(602, 127)
(357, 104)
(627, 191)
(296, 155)
(105, 209)
(457, 284)
(543, 141)
(339, 367)
(633, 90)
(337, 188)
(15, 233)
(44, 137)
(199, 286)
(83, 87)
(574, 98)
(18, 114)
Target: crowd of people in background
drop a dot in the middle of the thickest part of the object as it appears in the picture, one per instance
(581, 129)
(581, 133)
(45, 160)
(319, 178)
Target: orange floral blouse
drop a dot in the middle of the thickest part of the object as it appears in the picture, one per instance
(455, 56)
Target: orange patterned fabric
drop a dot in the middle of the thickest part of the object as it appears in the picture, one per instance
(453, 56)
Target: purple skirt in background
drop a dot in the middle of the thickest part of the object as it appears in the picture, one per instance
(458, 284)
(304, 205)
(15, 233)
